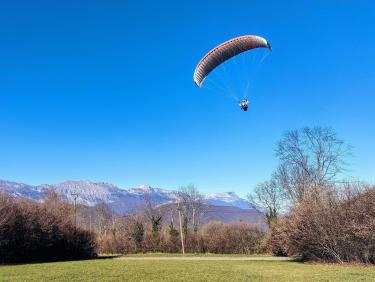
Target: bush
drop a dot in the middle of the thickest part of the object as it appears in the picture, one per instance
(330, 225)
(232, 238)
(29, 231)
(277, 237)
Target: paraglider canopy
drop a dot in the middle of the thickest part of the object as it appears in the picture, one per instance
(224, 52)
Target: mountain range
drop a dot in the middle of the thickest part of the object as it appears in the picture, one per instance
(225, 206)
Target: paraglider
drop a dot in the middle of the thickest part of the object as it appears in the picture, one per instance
(244, 104)
(225, 52)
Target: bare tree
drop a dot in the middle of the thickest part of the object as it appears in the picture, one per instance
(103, 215)
(172, 229)
(309, 158)
(153, 214)
(270, 197)
(6, 204)
(192, 207)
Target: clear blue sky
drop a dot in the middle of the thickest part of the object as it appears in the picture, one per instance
(103, 90)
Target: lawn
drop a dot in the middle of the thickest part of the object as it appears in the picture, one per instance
(153, 254)
(123, 269)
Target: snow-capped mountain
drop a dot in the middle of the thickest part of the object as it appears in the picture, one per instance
(121, 200)
(227, 199)
(22, 190)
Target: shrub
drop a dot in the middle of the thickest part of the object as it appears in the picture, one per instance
(330, 225)
(31, 232)
(237, 237)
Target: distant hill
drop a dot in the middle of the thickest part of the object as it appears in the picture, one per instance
(220, 206)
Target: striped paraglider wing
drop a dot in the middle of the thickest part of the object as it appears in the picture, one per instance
(224, 52)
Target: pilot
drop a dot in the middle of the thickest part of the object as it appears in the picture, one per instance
(244, 104)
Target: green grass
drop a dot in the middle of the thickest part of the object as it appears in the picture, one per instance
(192, 255)
(119, 269)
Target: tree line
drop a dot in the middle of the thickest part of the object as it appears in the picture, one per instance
(56, 230)
(175, 227)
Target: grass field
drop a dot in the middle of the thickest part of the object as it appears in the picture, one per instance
(151, 269)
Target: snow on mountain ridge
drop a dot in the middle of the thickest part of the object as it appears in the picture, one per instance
(92, 193)
(222, 195)
(227, 199)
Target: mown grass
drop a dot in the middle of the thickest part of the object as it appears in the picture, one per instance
(192, 255)
(120, 269)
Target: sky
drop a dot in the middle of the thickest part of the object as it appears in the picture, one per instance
(103, 90)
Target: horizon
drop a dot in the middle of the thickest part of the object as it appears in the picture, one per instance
(105, 92)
